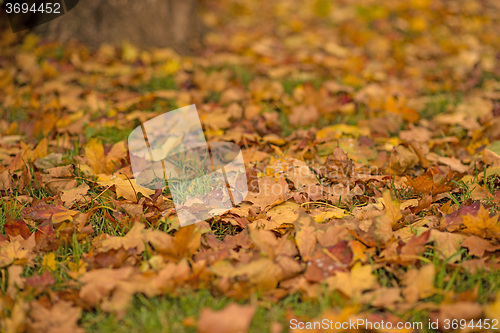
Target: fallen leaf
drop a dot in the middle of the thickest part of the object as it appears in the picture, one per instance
(56, 214)
(353, 283)
(232, 319)
(126, 188)
(477, 246)
(482, 224)
(305, 235)
(419, 283)
(61, 317)
(75, 195)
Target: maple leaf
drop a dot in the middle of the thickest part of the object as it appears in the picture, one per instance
(402, 159)
(100, 163)
(16, 281)
(135, 238)
(353, 283)
(281, 214)
(56, 214)
(330, 213)
(262, 273)
(126, 188)
(305, 236)
(75, 195)
(18, 250)
(392, 211)
(447, 243)
(61, 317)
(386, 298)
(14, 227)
(271, 192)
(477, 246)
(419, 283)
(482, 224)
(492, 310)
(99, 283)
(59, 178)
(427, 183)
(460, 310)
(233, 318)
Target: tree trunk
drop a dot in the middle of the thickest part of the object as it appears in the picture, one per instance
(144, 23)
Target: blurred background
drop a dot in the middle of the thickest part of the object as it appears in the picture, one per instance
(314, 62)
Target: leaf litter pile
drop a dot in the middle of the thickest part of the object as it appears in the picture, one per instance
(370, 132)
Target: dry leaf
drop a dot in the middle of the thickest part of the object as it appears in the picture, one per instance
(232, 319)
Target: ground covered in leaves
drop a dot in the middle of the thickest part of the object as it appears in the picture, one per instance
(371, 136)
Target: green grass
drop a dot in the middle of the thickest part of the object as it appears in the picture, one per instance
(440, 103)
(15, 114)
(290, 84)
(107, 134)
(166, 314)
(242, 74)
(160, 83)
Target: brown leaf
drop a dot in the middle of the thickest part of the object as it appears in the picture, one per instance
(402, 159)
(14, 227)
(305, 236)
(75, 195)
(447, 244)
(134, 239)
(304, 115)
(459, 311)
(477, 246)
(286, 212)
(392, 211)
(56, 214)
(354, 283)
(232, 319)
(385, 298)
(425, 184)
(271, 192)
(62, 317)
(419, 283)
(300, 174)
(40, 281)
(59, 178)
(18, 250)
(62, 171)
(99, 283)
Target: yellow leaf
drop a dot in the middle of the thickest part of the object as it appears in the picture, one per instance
(392, 210)
(49, 262)
(118, 152)
(98, 163)
(94, 152)
(482, 224)
(306, 242)
(280, 214)
(419, 283)
(355, 282)
(492, 310)
(331, 213)
(40, 150)
(127, 188)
